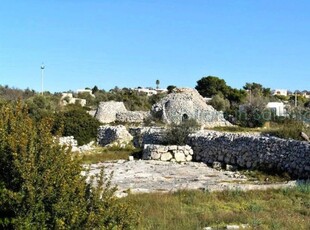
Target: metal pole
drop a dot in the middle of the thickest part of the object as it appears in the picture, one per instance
(295, 99)
(42, 75)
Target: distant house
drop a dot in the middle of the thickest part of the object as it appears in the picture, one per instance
(150, 91)
(278, 108)
(305, 94)
(280, 92)
(67, 98)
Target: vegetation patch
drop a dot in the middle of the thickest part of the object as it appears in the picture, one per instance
(270, 209)
(100, 154)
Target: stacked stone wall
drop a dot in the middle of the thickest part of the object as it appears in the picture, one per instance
(252, 151)
(167, 153)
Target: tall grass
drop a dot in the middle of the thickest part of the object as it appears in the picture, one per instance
(270, 209)
(101, 154)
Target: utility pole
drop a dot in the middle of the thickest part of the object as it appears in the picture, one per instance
(42, 75)
(295, 99)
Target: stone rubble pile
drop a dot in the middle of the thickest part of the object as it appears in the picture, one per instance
(173, 153)
(113, 136)
(71, 142)
(68, 141)
(252, 151)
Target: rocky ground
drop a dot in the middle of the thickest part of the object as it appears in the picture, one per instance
(157, 176)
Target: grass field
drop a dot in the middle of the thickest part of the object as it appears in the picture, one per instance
(270, 209)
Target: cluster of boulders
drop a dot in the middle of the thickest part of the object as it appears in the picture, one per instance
(173, 153)
(252, 151)
(113, 136)
(69, 141)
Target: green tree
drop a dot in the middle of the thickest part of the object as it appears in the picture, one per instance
(220, 103)
(257, 89)
(41, 186)
(210, 86)
(157, 84)
(170, 88)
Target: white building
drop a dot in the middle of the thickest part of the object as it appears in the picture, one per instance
(278, 108)
(89, 91)
(281, 92)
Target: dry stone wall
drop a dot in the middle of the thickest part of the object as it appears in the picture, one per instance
(252, 151)
(131, 116)
(167, 153)
(147, 135)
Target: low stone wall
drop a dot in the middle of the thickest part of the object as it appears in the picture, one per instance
(167, 153)
(147, 135)
(113, 135)
(132, 116)
(252, 151)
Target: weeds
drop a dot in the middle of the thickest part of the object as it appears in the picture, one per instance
(270, 209)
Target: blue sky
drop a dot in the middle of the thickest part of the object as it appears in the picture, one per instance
(130, 43)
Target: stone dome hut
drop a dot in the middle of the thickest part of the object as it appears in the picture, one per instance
(187, 103)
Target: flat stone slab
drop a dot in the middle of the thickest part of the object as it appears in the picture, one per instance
(156, 176)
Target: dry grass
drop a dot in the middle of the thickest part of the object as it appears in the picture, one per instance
(271, 209)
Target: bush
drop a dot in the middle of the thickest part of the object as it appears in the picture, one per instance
(289, 128)
(41, 186)
(178, 133)
(78, 123)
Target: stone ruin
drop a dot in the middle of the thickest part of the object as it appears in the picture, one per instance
(112, 111)
(113, 136)
(107, 110)
(184, 104)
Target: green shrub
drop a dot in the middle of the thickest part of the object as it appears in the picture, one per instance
(288, 128)
(178, 133)
(78, 123)
(41, 186)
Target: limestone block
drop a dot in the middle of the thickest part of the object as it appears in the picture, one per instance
(155, 155)
(166, 156)
(179, 156)
(189, 158)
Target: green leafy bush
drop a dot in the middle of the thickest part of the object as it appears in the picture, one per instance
(41, 186)
(289, 128)
(76, 122)
(178, 133)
